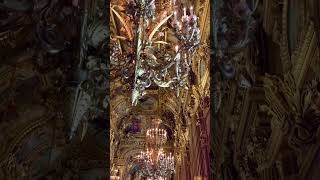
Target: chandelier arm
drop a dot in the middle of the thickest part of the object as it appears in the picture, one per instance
(158, 26)
(128, 30)
(191, 37)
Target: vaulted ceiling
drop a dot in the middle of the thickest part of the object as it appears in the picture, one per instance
(129, 123)
(41, 49)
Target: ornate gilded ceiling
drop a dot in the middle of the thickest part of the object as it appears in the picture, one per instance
(42, 46)
(58, 90)
(269, 130)
(129, 123)
(54, 93)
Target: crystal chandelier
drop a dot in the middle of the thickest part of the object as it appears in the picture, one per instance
(155, 163)
(156, 45)
(156, 136)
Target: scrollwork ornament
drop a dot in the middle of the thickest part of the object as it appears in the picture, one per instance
(307, 124)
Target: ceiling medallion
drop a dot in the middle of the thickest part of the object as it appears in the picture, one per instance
(155, 44)
(155, 164)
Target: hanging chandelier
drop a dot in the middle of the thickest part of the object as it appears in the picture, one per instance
(155, 163)
(155, 135)
(153, 44)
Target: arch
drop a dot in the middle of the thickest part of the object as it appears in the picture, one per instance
(37, 124)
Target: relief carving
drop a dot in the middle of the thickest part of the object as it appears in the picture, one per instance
(307, 124)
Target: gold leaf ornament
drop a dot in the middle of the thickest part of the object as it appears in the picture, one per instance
(127, 28)
(158, 26)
